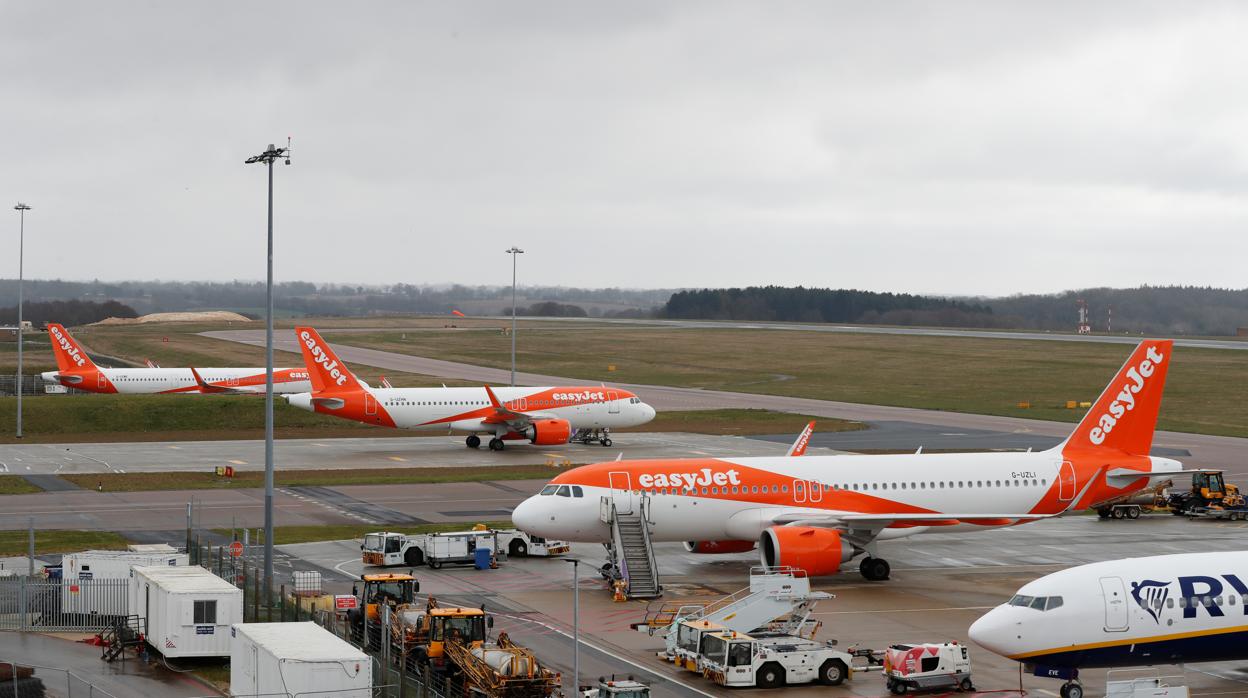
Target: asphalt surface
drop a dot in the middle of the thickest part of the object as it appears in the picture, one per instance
(1206, 451)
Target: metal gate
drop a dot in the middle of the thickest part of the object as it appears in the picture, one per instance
(74, 605)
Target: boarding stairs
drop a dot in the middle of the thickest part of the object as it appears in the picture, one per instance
(778, 598)
(125, 633)
(631, 551)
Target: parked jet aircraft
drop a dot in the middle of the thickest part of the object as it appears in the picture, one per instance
(1165, 609)
(819, 512)
(543, 416)
(76, 370)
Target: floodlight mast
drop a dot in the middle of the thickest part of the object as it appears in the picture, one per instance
(268, 157)
(514, 252)
(21, 254)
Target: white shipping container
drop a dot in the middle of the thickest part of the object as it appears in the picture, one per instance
(106, 564)
(296, 659)
(186, 611)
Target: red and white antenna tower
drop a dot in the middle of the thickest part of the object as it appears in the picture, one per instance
(1084, 327)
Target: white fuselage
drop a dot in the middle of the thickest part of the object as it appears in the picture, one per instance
(738, 499)
(182, 380)
(1164, 609)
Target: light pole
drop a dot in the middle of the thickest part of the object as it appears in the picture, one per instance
(576, 625)
(267, 157)
(21, 245)
(514, 252)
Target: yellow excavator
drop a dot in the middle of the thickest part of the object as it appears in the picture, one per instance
(1210, 495)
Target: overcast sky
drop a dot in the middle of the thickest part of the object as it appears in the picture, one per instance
(954, 147)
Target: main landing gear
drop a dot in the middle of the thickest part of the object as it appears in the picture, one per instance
(876, 569)
(588, 436)
(473, 441)
(496, 444)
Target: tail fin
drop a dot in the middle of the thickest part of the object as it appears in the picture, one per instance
(325, 369)
(1125, 416)
(69, 356)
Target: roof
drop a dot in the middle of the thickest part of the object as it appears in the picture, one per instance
(193, 579)
(305, 641)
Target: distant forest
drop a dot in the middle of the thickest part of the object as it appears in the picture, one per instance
(72, 312)
(1164, 310)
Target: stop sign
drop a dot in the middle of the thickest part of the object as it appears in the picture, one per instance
(236, 549)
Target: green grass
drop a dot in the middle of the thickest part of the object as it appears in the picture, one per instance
(150, 481)
(286, 535)
(16, 484)
(738, 421)
(15, 542)
(960, 374)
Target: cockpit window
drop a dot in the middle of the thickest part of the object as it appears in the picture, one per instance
(549, 490)
(564, 491)
(1039, 603)
(577, 491)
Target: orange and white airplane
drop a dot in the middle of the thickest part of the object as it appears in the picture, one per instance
(543, 416)
(820, 512)
(76, 370)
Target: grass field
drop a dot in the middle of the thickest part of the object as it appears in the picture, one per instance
(984, 376)
(15, 484)
(135, 482)
(15, 542)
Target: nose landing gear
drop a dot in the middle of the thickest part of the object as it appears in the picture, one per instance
(1071, 689)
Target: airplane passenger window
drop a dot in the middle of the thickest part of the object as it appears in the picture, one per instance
(903, 485)
(754, 490)
(714, 490)
(703, 490)
(784, 488)
(1230, 600)
(734, 490)
(923, 485)
(1169, 603)
(1217, 601)
(774, 489)
(875, 485)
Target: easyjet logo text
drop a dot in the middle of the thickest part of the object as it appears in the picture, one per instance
(68, 347)
(320, 357)
(703, 478)
(1124, 401)
(578, 397)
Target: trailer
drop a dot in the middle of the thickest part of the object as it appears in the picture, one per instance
(927, 667)
(1133, 504)
(296, 659)
(386, 548)
(185, 611)
(772, 660)
(106, 564)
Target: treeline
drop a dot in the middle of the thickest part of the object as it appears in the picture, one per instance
(800, 304)
(68, 313)
(1168, 310)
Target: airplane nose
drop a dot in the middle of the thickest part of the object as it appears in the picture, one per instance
(527, 516)
(993, 633)
(648, 411)
(301, 400)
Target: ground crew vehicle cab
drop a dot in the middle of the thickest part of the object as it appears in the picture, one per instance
(927, 667)
(386, 548)
(685, 644)
(772, 660)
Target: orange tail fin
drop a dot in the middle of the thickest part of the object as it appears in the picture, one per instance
(1125, 416)
(69, 355)
(325, 369)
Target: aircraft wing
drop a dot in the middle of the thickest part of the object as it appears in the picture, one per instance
(503, 415)
(848, 520)
(206, 387)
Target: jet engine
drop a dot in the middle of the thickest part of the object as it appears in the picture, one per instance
(549, 432)
(719, 547)
(818, 551)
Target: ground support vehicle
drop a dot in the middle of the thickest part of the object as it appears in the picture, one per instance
(1227, 514)
(1209, 491)
(927, 667)
(1131, 506)
(772, 660)
(386, 549)
(502, 669)
(390, 589)
(419, 637)
(615, 688)
(588, 436)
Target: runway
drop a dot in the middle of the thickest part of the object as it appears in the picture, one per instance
(1205, 450)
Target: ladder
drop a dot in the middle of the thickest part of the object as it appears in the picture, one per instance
(124, 633)
(631, 551)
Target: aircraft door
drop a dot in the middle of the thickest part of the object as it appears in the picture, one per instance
(621, 492)
(370, 403)
(1066, 481)
(1117, 613)
(101, 381)
(613, 404)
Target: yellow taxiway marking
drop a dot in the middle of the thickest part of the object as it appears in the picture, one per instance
(176, 448)
(401, 460)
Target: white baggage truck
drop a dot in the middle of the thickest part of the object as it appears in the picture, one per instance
(772, 660)
(90, 565)
(185, 611)
(296, 659)
(927, 667)
(386, 549)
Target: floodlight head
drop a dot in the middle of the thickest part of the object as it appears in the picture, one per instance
(21, 207)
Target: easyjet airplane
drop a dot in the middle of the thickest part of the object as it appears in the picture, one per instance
(543, 416)
(76, 370)
(819, 512)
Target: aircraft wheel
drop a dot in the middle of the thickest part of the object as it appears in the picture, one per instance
(874, 569)
(606, 443)
(473, 441)
(496, 444)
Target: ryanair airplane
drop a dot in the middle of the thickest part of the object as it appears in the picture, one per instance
(1165, 609)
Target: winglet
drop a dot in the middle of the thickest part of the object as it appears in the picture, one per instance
(493, 398)
(803, 440)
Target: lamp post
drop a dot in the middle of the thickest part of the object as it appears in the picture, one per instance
(21, 245)
(268, 157)
(576, 625)
(514, 252)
